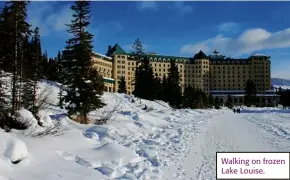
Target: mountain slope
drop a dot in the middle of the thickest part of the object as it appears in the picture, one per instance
(279, 82)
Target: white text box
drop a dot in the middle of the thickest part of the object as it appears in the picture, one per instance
(252, 165)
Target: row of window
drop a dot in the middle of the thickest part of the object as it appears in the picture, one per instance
(106, 64)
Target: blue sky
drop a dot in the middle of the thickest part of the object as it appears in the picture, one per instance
(236, 29)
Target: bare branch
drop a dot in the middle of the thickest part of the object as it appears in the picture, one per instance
(106, 115)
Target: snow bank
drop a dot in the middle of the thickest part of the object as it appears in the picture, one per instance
(136, 144)
(26, 118)
(15, 150)
(44, 119)
(117, 153)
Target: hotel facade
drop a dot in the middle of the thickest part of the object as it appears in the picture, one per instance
(214, 74)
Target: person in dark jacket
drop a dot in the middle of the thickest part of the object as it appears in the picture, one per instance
(238, 110)
(235, 110)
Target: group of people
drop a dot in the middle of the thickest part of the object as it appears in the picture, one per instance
(237, 110)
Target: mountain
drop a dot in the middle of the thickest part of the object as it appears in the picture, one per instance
(279, 82)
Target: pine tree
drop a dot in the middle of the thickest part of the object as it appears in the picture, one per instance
(85, 85)
(229, 102)
(27, 94)
(44, 66)
(59, 67)
(4, 105)
(174, 88)
(164, 89)
(52, 70)
(34, 74)
(217, 103)
(138, 47)
(109, 51)
(250, 92)
(187, 97)
(157, 88)
(211, 100)
(144, 79)
(122, 85)
(5, 36)
(16, 30)
(61, 79)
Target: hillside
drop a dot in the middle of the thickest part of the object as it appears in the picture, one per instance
(136, 144)
(279, 82)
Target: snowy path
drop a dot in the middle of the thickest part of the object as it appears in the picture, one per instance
(226, 132)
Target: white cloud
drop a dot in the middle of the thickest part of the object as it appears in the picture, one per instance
(228, 27)
(147, 5)
(247, 42)
(48, 18)
(182, 8)
(51, 20)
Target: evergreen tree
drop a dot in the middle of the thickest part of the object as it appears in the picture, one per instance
(229, 102)
(157, 88)
(4, 105)
(26, 78)
(144, 79)
(59, 67)
(174, 88)
(250, 92)
(285, 98)
(52, 70)
(188, 97)
(109, 51)
(138, 47)
(211, 100)
(279, 91)
(34, 72)
(5, 36)
(217, 103)
(16, 30)
(44, 64)
(122, 85)
(85, 85)
(61, 79)
(164, 88)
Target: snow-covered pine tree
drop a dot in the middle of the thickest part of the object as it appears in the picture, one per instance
(85, 85)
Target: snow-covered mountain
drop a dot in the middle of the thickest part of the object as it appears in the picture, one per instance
(279, 82)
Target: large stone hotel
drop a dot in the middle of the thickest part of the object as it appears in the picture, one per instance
(215, 74)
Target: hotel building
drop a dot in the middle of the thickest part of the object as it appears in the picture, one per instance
(215, 74)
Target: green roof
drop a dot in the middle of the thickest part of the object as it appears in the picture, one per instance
(200, 55)
(118, 50)
(108, 80)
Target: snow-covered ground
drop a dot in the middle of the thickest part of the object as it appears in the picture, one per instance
(159, 143)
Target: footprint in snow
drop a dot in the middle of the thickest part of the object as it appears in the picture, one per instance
(71, 157)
